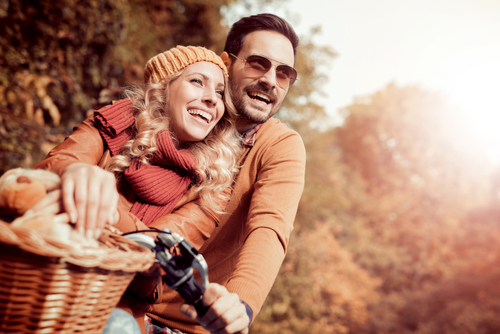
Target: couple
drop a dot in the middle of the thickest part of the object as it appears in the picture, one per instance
(175, 147)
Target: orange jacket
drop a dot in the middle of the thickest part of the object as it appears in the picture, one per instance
(246, 249)
(86, 145)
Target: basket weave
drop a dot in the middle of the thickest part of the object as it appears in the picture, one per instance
(50, 287)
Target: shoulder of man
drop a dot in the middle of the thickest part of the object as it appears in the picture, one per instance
(274, 128)
(275, 135)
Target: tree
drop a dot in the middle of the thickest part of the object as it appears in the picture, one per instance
(419, 184)
(319, 289)
(60, 59)
(301, 109)
(422, 213)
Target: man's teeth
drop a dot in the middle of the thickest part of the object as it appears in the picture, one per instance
(260, 97)
(201, 113)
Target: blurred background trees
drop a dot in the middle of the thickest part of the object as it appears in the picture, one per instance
(398, 227)
(60, 59)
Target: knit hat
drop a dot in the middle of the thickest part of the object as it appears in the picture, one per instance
(175, 59)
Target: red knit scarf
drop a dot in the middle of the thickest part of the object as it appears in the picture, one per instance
(159, 185)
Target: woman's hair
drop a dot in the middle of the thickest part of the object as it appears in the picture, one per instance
(216, 155)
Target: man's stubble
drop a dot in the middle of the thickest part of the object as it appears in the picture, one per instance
(245, 111)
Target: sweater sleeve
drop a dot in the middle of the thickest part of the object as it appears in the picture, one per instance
(83, 145)
(189, 220)
(274, 203)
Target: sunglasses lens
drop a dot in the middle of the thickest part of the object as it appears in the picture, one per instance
(286, 75)
(257, 66)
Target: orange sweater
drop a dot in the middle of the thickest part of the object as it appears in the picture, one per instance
(246, 249)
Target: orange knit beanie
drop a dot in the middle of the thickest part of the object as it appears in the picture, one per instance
(175, 59)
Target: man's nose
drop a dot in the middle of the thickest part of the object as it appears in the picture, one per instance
(269, 78)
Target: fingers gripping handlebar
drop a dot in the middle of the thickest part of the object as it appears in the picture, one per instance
(177, 257)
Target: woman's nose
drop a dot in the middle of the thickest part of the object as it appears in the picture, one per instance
(210, 96)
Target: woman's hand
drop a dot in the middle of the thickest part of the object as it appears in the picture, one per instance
(226, 313)
(88, 194)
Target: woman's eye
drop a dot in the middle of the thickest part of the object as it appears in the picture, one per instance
(197, 81)
(220, 93)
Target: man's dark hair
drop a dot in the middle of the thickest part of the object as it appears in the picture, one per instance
(269, 22)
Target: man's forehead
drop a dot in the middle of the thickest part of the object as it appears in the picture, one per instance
(269, 44)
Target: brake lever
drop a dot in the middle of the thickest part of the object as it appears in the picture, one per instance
(179, 267)
(143, 240)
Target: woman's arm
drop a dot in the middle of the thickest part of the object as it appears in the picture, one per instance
(84, 145)
(90, 197)
(89, 193)
(190, 221)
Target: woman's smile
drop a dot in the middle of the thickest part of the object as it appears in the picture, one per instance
(196, 101)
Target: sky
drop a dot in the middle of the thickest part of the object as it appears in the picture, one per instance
(447, 46)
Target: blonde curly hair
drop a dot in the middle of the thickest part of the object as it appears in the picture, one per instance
(216, 155)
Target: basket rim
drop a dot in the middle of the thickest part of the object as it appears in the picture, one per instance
(116, 254)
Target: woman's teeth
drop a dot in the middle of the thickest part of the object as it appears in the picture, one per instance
(202, 114)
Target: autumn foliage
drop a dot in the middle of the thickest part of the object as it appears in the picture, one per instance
(60, 59)
(398, 227)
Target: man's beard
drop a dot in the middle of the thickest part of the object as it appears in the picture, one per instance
(244, 111)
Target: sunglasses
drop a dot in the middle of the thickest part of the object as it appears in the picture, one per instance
(257, 66)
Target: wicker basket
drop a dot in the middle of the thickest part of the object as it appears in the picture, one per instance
(50, 287)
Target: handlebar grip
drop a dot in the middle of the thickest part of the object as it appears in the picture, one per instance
(192, 293)
(200, 308)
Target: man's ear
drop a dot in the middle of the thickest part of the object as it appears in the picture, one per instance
(226, 59)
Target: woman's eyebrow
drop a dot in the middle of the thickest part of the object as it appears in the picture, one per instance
(199, 73)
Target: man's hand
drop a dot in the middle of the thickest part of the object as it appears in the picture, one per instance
(88, 195)
(226, 313)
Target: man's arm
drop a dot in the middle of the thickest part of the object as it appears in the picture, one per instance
(274, 203)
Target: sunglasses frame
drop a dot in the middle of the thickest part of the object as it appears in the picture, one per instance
(291, 81)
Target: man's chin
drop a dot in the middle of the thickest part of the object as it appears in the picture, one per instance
(255, 115)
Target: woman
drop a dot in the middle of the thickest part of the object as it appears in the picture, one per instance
(157, 146)
(170, 142)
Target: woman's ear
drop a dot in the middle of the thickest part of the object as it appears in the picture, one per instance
(226, 59)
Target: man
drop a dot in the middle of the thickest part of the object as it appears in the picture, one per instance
(246, 249)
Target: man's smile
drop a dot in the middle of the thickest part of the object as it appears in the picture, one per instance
(259, 96)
